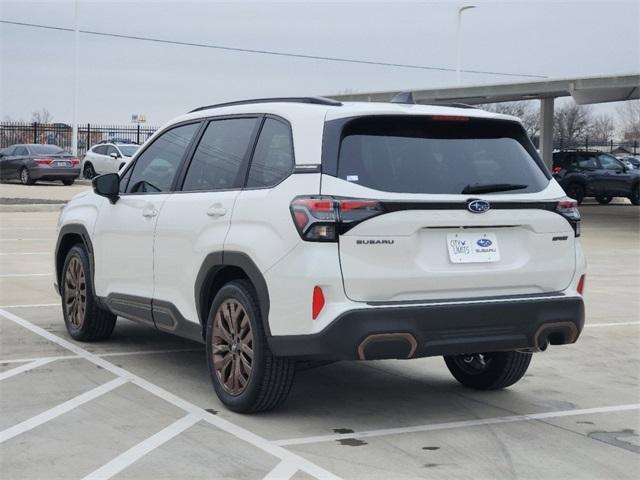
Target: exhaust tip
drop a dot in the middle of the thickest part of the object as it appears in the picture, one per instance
(387, 345)
(559, 333)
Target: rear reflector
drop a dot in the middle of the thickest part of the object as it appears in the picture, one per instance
(318, 302)
(580, 287)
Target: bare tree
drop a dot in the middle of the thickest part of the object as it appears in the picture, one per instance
(602, 129)
(42, 116)
(571, 124)
(629, 119)
(523, 110)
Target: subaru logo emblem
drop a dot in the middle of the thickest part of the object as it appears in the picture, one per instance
(484, 242)
(478, 206)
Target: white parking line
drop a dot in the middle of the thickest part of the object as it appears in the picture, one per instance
(611, 324)
(282, 471)
(108, 354)
(257, 441)
(61, 409)
(25, 253)
(138, 451)
(461, 424)
(26, 239)
(24, 368)
(14, 275)
(32, 305)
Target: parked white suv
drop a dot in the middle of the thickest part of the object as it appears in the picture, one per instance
(307, 229)
(107, 158)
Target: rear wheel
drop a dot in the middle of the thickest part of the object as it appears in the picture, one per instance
(488, 371)
(635, 195)
(246, 376)
(604, 199)
(88, 172)
(84, 319)
(575, 191)
(67, 182)
(25, 176)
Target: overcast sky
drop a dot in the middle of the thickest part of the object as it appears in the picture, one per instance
(120, 77)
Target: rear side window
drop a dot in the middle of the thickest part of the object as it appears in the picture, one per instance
(46, 149)
(444, 156)
(273, 157)
(588, 162)
(220, 155)
(156, 167)
(21, 151)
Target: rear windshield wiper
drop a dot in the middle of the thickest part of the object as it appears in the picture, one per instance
(492, 187)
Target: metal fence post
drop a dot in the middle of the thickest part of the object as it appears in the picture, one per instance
(586, 143)
(611, 147)
(35, 132)
(88, 145)
(138, 135)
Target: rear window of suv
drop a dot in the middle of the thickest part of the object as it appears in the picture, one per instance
(442, 155)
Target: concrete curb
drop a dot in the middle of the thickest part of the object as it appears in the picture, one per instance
(32, 207)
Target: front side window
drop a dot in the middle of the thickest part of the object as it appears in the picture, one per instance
(219, 156)
(111, 149)
(273, 157)
(21, 151)
(449, 155)
(156, 167)
(610, 163)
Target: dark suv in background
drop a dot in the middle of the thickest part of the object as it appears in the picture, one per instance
(595, 174)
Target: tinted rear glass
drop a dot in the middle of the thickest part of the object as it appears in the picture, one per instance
(426, 155)
(45, 149)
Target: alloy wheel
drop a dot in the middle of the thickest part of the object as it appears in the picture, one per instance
(24, 176)
(232, 343)
(75, 292)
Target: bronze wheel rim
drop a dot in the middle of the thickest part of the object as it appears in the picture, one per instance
(75, 292)
(232, 345)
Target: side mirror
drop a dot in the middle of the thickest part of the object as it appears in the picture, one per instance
(114, 155)
(107, 185)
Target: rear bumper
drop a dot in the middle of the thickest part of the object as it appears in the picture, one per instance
(441, 329)
(49, 173)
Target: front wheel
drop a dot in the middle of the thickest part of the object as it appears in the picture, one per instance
(88, 172)
(25, 176)
(246, 376)
(84, 319)
(488, 371)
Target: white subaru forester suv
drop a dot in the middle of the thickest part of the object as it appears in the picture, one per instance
(304, 229)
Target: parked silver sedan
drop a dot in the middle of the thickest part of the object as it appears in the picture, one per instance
(32, 162)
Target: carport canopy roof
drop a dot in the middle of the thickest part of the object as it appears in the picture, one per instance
(585, 90)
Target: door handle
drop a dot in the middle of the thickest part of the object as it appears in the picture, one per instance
(149, 212)
(216, 210)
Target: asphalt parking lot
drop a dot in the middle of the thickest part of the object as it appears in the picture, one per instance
(140, 405)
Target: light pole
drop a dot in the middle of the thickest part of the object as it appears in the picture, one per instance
(458, 42)
(76, 30)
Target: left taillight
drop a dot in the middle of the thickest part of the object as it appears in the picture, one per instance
(43, 161)
(569, 210)
(75, 161)
(323, 218)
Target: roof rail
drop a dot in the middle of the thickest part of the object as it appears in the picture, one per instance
(312, 100)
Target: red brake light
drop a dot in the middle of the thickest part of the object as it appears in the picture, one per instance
(322, 219)
(580, 287)
(557, 169)
(43, 161)
(75, 161)
(450, 118)
(318, 302)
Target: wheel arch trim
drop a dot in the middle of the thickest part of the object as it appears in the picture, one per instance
(66, 231)
(214, 263)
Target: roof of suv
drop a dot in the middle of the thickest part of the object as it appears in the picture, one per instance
(301, 110)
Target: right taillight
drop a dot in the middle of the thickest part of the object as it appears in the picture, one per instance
(569, 210)
(324, 218)
(580, 287)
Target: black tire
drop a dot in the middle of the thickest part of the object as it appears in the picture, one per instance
(88, 172)
(500, 369)
(270, 378)
(89, 322)
(25, 176)
(635, 195)
(68, 182)
(604, 200)
(575, 191)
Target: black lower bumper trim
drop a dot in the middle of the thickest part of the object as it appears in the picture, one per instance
(450, 329)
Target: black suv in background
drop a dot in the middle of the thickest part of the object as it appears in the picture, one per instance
(595, 174)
